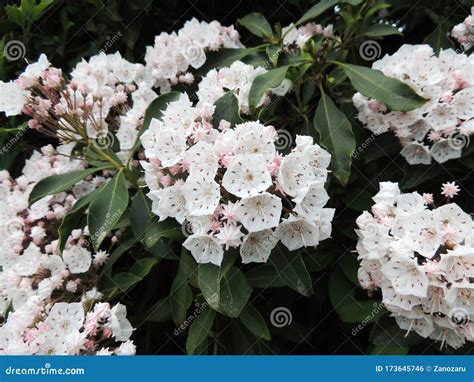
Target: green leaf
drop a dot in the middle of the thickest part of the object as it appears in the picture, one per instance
(340, 288)
(69, 222)
(123, 281)
(59, 183)
(263, 82)
(209, 280)
(225, 57)
(200, 330)
(71, 219)
(257, 24)
(396, 95)
(335, 135)
(264, 276)
(253, 321)
(155, 110)
(292, 270)
(350, 266)
(235, 292)
(381, 30)
(106, 208)
(439, 39)
(225, 290)
(181, 296)
(316, 10)
(126, 241)
(227, 108)
(145, 224)
(160, 312)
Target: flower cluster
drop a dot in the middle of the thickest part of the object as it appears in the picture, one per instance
(108, 95)
(168, 61)
(232, 186)
(464, 32)
(293, 36)
(423, 261)
(238, 79)
(37, 284)
(440, 129)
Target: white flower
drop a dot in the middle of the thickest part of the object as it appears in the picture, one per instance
(168, 146)
(464, 103)
(296, 233)
(416, 153)
(257, 246)
(121, 327)
(202, 195)
(201, 158)
(259, 212)
(12, 98)
(126, 348)
(169, 202)
(65, 317)
(247, 175)
(407, 277)
(77, 259)
(444, 150)
(314, 199)
(449, 189)
(204, 248)
(229, 236)
(255, 138)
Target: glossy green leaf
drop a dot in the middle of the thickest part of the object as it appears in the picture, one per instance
(234, 292)
(396, 95)
(336, 136)
(264, 276)
(227, 108)
(381, 30)
(263, 82)
(253, 321)
(59, 183)
(257, 24)
(181, 296)
(106, 208)
(316, 10)
(146, 225)
(200, 329)
(292, 270)
(225, 290)
(123, 281)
